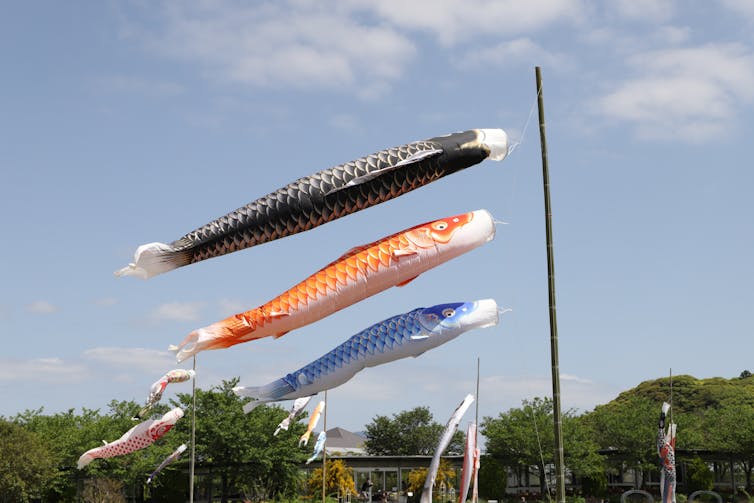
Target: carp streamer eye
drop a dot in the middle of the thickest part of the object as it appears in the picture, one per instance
(448, 312)
(440, 226)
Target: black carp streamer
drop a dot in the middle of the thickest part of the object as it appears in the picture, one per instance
(322, 197)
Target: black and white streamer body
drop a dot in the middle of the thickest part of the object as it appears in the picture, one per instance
(322, 197)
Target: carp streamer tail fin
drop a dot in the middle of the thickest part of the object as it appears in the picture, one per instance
(152, 259)
(263, 394)
(84, 460)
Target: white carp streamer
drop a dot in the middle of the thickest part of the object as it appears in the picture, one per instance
(447, 435)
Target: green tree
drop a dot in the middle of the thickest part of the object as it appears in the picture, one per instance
(26, 465)
(103, 490)
(730, 429)
(131, 469)
(493, 479)
(628, 427)
(239, 448)
(408, 433)
(523, 437)
(68, 435)
(698, 476)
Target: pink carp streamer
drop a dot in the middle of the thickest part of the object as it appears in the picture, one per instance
(158, 388)
(469, 462)
(140, 436)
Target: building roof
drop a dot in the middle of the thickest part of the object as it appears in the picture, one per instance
(344, 442)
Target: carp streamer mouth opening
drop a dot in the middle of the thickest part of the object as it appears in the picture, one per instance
(497, 141)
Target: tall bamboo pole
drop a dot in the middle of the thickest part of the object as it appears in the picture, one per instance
(559, 462)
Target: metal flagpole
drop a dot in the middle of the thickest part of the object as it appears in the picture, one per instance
(671, 396)
(193, 436)
(474, 491)
(324, 449)
(559, 461)
(476, 415)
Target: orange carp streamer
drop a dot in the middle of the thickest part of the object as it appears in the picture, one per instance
(362, 272)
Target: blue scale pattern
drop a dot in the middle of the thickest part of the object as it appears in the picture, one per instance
(379, 338)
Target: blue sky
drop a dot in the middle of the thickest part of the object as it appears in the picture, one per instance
(129, 122)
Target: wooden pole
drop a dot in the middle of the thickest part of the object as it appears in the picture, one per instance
(559, 461)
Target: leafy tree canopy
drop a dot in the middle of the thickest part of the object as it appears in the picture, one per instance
(408, 433)
(25, 463)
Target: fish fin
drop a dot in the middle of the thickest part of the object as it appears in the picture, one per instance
(403, 252)
(251, 406)
(105, 442)
(84, 460)
(419, 156)
(278, 314)
(354, 250)
(263, 394)
(419, 337)
(409, 280)
(413, 158)
(152, 259)
(280, 334)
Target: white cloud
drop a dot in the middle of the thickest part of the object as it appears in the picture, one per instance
(692, 94)
(42, 307)
(41, 370)
(453, 21)
(512, 52)
(671, 35)
(656, 11)
(150, 360)
(56, 370)
(346, 122)
(576, 392)
(230, 307)
(745, 7)
(359, 46)
(294, 44)
(177, 311)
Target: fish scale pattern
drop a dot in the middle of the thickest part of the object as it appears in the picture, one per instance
(356, 265)
(379, 338)
(304, 204)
